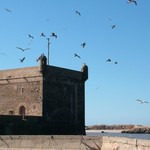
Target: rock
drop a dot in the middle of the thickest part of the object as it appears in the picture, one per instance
(139, 130)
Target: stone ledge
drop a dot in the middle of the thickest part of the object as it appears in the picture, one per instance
(71, 142)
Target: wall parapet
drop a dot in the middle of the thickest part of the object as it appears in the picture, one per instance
(48, 142)
(20, 79)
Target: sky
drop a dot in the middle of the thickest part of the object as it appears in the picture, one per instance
(112, 89)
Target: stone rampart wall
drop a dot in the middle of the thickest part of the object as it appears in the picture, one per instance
(71, 143)
(21, 88)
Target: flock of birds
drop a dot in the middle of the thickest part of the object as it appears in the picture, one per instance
(109, 60)
(75, 54)
(43, 35)
(54, 35)
(31, 37)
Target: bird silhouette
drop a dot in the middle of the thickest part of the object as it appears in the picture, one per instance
(109, 19)
(77, 12)
(42, 34)
(108, 60)
(98, 87)
(132, 1)
(8, 10)
(30, 36)
(48, 19)
(2, 53)
(113, 26)
(83, 45)
(141, 101)
(76, 55)
(23, 49)
(116, 62)
(21, 60)
(54, 35)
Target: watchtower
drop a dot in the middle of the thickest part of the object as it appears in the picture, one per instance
(43, 100)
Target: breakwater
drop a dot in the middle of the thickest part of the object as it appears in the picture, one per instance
(59, 142)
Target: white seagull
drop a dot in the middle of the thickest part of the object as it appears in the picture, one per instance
(132, 1)
(141, 101)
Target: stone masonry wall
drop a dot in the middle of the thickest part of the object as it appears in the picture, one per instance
(21, 87)
(71, 143)
(13, 96)
(63, 95)
(56, 94)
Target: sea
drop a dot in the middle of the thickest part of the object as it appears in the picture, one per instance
(118, 134)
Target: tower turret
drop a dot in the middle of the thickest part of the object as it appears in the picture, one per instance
(43, 63)
(85, 72)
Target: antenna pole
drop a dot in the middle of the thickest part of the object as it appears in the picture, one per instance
(48, 49)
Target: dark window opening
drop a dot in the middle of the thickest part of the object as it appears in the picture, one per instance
(22, 111)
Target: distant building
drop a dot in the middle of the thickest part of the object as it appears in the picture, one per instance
(42, 100)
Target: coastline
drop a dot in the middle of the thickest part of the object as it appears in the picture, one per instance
(118, 129)
(104, 131)
(117, 134)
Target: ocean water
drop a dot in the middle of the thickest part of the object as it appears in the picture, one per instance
(118, 134)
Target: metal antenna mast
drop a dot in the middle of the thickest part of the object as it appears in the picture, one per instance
(48, 49)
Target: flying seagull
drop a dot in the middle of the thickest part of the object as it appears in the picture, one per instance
(48, 19)
(23, 49)
(21, 60)
(141, 101)
(108, 60)
(2, 53)
(54, 35)
(30, 36)
(77, 12)
(132, 1)
(109, 19)
(83, 45)
(113, 26)
(8, 10)
(42, 34)
(98, 87)
(76, 55)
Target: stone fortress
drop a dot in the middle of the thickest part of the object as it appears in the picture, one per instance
(42, 100)
(42, 107)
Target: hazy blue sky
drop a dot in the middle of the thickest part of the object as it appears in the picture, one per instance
(112, 89)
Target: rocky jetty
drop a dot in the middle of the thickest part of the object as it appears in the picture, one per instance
(109, 127)
(124, 128)
(138, 130)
